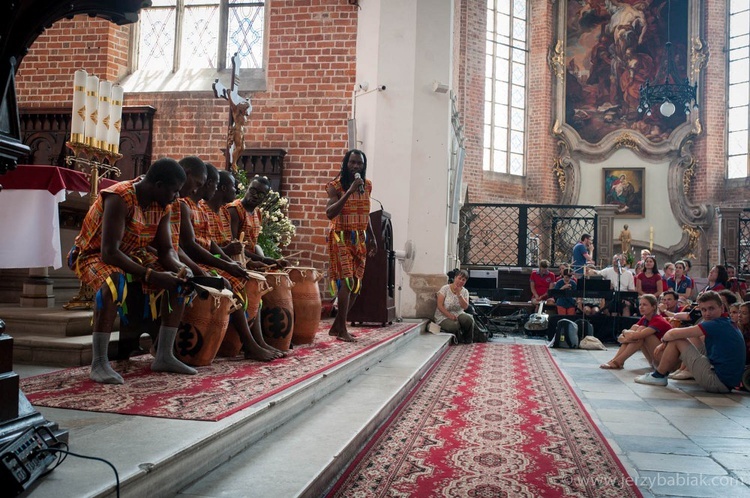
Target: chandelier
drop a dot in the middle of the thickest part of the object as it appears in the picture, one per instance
(673, 93)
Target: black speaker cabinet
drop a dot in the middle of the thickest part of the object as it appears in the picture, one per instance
(376, 302)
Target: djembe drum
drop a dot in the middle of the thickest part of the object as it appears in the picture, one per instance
(307, 303)
(203, 326)
(255, 288)
(277, 312)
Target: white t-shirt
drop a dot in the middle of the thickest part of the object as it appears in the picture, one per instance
(451, 302)
(626, 279)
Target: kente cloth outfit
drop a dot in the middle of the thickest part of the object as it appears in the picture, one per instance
(202, 233)
(140, 229)
(250, 223)
(347, 237)
(218, 224)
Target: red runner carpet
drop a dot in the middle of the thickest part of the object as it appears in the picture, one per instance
(219, 390)
(489, 420)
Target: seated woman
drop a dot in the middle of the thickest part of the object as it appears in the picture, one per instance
(644, 335)
(452, 300)
(717, 279)
(680, 282)
(649, 281)
(566, 305)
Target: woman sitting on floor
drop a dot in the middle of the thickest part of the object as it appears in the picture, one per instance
(452, 300)
(644, 335)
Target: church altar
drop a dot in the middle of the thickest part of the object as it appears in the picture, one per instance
(30, 223)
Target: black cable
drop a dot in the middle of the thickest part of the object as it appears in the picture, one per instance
(66, 453)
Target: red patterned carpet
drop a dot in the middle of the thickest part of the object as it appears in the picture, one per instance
(219, 390)
(490, 420)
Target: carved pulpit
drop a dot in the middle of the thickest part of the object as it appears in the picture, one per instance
(376, 303)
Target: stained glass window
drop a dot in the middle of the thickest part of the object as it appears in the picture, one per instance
(505, 87)
(200, 34)
(738, 101)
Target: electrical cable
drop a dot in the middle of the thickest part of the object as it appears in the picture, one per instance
(66, 453)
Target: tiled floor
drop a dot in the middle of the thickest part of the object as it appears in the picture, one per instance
(675, 440)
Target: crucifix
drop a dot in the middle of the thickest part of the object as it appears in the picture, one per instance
(239, 110)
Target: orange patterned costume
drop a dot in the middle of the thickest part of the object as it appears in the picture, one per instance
(347, 237)
(250, 223)
(140, 229)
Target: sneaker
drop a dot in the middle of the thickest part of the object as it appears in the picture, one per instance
(651, 380)
(681, 375)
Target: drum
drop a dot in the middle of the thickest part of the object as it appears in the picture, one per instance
(277, 312)
(255, 288)
(307, 303)
(203, 326)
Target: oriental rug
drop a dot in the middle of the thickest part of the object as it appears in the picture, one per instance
(489, 420)
(217, 391)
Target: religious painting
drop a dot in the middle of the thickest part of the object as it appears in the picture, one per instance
(625, 188)
(612, 47)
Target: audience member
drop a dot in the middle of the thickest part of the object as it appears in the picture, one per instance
(620, 279)
(736, 284)
(452, 301)
(581, 255)
(540, 282)
(113, 247)
(744, 326)
(718, 365)
(669, 304)
(717, 279)
(649, 281)
(566, 305)
(681, 283)
(644, 335)
(666, 274)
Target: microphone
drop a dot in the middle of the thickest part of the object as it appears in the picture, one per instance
(619, 265)
(357, 176)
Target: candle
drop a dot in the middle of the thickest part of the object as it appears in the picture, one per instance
(115, 119)
(651, 239)
(78, 119)
(102, 127)
(92, 103)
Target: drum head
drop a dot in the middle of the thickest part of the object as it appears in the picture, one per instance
(212, 282)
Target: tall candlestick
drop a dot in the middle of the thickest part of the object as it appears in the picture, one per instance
(92, 104)
(102, 127)
(115, 118)
(651, 239)
(78, 118)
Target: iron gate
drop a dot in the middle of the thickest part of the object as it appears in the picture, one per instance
(743, 252)
(521, 234)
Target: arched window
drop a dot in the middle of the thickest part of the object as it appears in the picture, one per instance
(505, 87)
(738, 97)
(199, 36)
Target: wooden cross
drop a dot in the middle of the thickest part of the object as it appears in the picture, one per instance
(239, 111)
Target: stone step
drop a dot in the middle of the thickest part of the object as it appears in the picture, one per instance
(159, 457)
(48, 322)
(305, 456)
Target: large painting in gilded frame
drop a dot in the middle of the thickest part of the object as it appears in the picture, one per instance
(625, 188)
(610, 48)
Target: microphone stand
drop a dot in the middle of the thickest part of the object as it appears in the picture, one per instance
(618, 304)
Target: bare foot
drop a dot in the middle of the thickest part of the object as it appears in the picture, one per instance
(339, 332)
(255, 352)
(346, 337)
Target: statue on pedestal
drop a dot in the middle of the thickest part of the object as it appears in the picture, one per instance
(240, 109)
(625, 240)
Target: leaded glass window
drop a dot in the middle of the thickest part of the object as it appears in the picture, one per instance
(738, 99)
(200, 34)
(505, 87)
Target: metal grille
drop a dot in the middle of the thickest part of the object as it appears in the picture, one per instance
(744, 249)
(521, 234)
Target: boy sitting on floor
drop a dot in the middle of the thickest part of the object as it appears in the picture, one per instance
(717, 366)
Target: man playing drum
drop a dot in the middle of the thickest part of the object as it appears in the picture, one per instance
(350, 231)
(111, 250)
(197, 242)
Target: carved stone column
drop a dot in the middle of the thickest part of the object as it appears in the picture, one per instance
(37, 289)
(604, 243)
(729, 234)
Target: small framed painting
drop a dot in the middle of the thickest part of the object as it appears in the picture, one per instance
(625, 188)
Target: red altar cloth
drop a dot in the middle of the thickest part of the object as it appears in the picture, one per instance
(50, 178)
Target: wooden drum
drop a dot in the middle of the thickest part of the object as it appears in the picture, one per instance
(203, 326)
(277, 312)
(307, 303)
(255, 288)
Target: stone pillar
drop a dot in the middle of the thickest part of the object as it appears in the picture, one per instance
(37, 290)
(405, 131)
(729, 234)
(604, 243)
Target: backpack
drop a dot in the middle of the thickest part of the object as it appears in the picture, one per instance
(566, 334)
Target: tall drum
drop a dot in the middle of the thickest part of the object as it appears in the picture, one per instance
(255, 288)
(307, 303)
(203, 326)
(277, 312)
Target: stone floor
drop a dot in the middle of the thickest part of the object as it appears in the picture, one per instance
(673, 441)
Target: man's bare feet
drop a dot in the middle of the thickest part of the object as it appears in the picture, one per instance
(256, 352)
(346, 337)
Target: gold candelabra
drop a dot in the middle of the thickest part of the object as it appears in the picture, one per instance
(97, 163)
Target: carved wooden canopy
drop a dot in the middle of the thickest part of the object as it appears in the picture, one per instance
(21, 22)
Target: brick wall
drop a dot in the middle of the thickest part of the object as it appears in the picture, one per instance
(310, 75)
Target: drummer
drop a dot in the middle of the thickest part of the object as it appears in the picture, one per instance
(245, 216)
(197, 242)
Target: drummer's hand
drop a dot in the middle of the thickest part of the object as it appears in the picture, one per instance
(167, 280)
(282, 263)
(233, 248)
(255, 265)
(235, 270)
